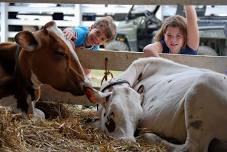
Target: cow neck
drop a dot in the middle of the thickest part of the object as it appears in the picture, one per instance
(117, 82)
(21, 79)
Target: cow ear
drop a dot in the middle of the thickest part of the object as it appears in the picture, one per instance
(106, 97)
(26, 40)
(48, 25)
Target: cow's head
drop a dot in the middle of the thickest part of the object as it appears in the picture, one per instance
(46, 56)
(121, 111)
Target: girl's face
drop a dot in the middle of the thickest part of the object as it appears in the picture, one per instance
(174, 39)
(96, 36)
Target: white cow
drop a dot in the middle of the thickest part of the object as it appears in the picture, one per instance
(179, 106)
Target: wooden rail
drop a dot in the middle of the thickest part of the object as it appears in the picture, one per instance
(119, 61)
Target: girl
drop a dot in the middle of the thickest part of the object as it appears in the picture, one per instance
(178, 35)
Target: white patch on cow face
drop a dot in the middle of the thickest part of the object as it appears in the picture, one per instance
(121, 113)
(10, 103)
(35, 81)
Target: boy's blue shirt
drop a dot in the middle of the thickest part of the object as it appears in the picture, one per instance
(82, 32)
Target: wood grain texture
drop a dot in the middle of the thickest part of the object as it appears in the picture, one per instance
(119, 61)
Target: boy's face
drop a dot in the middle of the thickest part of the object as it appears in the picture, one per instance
(96, 36)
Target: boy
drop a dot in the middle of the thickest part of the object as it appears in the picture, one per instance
(101, 32)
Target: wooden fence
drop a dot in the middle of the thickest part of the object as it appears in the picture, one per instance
(120, 60)
(28, 16)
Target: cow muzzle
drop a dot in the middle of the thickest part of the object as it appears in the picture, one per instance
(94, 95)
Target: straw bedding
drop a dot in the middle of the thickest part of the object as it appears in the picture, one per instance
(65, 130)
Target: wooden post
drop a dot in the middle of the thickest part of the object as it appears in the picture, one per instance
(77, 14)
(4, 22)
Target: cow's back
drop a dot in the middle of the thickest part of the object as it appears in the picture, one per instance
(164, 101)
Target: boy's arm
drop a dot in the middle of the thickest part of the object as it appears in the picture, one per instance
(192, 27)
(70, 34)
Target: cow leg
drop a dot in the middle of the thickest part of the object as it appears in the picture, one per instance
(154, 139)
(32, 111)
(205, 108)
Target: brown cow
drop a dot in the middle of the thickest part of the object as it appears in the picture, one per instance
(42, 57)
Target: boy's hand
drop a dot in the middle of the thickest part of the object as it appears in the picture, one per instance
(69, 34)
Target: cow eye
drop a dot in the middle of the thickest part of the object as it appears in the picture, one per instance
(59, 53)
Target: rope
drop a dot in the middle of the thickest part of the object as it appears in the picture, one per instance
(107, 72)
(117, 82)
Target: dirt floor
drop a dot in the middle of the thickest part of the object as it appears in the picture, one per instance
(65, 130)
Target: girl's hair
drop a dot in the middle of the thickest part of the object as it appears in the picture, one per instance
(172, 21)
(106, 24)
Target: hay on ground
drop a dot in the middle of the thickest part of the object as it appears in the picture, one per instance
(68, 133)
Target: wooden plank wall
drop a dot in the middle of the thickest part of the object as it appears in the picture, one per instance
(119, 61)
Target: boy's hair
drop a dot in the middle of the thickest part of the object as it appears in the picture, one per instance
(172, 21)
(106, 23)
